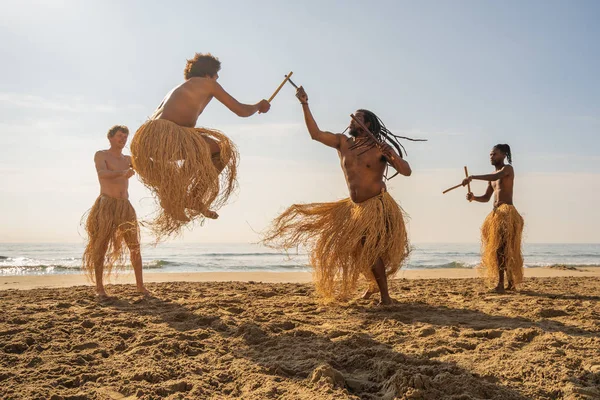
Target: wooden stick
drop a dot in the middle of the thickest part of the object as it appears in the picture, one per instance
(468, 184)
(287, 77)
(291, 81)
(466, 176)
(365, 129)
(452, 188)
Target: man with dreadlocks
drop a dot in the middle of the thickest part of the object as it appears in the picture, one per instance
(502, 229)
(360, 235)
(192, 171)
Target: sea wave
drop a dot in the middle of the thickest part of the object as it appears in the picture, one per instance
(456, 264)
(250, 254)
(49, 267)
(561, 265)
(452, 264)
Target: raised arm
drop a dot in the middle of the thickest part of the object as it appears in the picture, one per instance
(240, 109)
(327, 138)
(105, 173)
(482, 199)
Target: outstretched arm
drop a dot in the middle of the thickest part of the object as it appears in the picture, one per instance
(501, 173)
(327, 138)
(482, 199)
(240, 109)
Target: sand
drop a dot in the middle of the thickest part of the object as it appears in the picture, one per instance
(444, 339)
(55, 281)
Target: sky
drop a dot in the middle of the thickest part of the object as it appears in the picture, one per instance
(463, 74)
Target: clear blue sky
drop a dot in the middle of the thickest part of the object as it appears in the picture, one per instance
(464, 74)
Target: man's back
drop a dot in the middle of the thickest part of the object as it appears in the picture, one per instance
(184, 104)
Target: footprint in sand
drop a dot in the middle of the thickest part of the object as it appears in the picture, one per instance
(85, 346)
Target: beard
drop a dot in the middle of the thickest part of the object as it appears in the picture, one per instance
(354, 132)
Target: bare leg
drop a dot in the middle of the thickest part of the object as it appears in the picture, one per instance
(136, 261)
(99, 270)
(381, 279)
(500, 287)
(511, 285)
(501, 267)
(135, 254)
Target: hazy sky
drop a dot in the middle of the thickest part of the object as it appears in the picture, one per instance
(464, 74)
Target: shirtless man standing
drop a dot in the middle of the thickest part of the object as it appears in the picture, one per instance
(112, 224)
(360, 235)
(502, 230)
(192, 171)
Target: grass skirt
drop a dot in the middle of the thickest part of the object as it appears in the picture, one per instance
(176, 164)
(345, 240)
(501, 241)
(111, 226)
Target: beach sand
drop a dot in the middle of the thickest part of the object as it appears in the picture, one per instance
(444, 339)
(55, 281)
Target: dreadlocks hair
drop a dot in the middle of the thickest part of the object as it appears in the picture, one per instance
(505, 148)
(383, 134)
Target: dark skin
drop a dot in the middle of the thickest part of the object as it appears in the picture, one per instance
(184, 104)
(363, 170)
(500, 184)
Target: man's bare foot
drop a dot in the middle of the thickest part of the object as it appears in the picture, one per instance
(204, 211)
(176, 214)
(368, 293)
(142, 290)
(511, 287)
(386, 301)
(498, 289)
(102, 295)
(210, 214)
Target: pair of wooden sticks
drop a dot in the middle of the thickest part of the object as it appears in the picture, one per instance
(460, 184)
(287, 79)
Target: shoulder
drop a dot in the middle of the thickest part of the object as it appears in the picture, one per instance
(342, 138)
(198, 83)
(509, 169)
(100, 154)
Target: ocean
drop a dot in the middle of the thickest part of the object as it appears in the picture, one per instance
(56, 258)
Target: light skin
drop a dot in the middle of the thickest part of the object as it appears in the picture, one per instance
(184, 104)
(114, 170)
(500, 185)
(363, 169)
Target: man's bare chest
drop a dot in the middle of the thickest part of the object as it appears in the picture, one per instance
(117, 164)
(360, 158)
